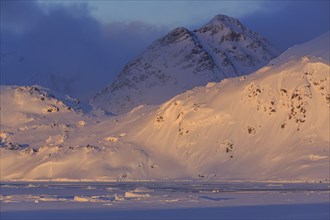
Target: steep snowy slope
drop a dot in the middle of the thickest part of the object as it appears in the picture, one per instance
(184, 59)
(270, 125)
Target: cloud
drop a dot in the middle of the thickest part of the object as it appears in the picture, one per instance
(65, 48)
(293, 22)
(129, 39)
(171, 13)
(19, 15)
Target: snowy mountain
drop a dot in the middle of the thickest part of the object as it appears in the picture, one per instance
(270, 125)
(184, 59)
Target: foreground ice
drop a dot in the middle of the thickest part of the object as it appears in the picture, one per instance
(164, 200)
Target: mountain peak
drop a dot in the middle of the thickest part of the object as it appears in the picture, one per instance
(223, 19)
(176, 35)
(222, 23)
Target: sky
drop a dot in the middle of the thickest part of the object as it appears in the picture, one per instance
(78, 47)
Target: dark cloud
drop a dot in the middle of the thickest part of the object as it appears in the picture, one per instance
(293, 22)
(18, 16)
(65, 49)
(129, 39)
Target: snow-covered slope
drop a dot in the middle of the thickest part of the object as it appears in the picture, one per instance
(21, 104)
(30, 111)
(184, 59)
(270, 125)
(273, 124)
(43, 137)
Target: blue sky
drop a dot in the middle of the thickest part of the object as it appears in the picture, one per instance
(95, 39)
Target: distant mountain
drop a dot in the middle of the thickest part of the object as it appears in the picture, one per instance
(184, 59)
(271, 125)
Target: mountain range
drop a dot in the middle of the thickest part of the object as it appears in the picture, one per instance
(270, 125)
